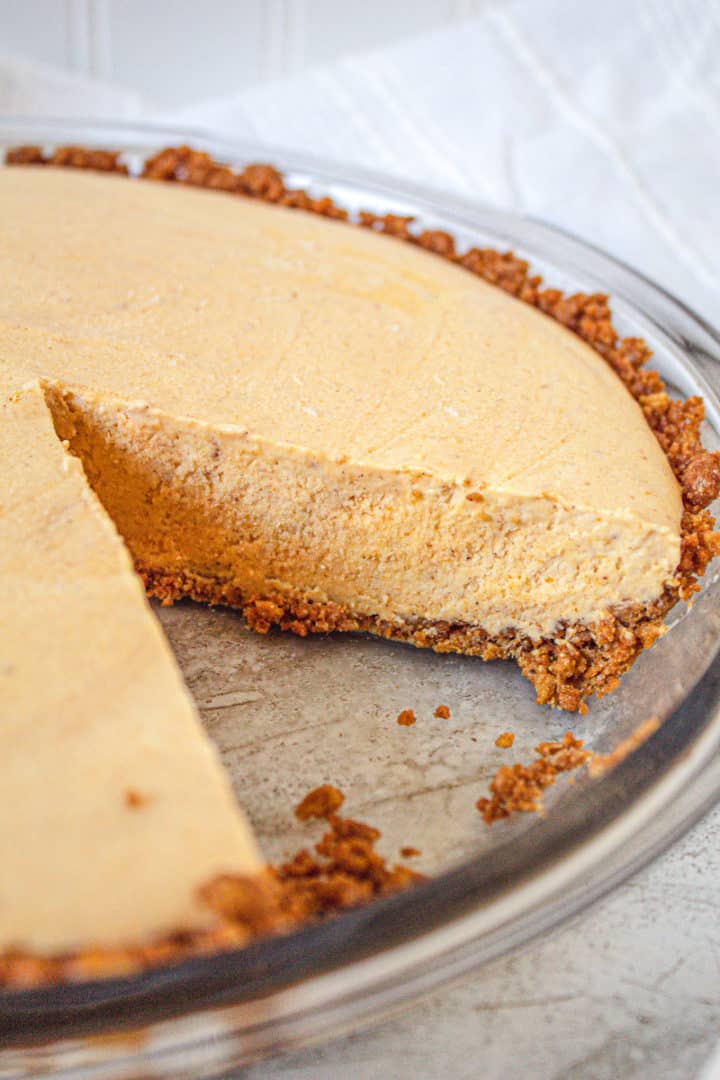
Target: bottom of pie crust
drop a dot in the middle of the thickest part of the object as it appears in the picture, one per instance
(582, 661)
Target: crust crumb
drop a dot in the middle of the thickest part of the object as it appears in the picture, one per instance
(408, 852)
(520, 787)
(321, 802)
(345, 870)
(250, 906)
(68, 157)
(505, 740)
(342, 871)
(406, 718)
(442, 712)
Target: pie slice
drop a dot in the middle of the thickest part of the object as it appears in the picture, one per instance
(339, 432)
(118, 820)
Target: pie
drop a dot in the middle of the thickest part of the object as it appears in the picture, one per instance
(274, 410)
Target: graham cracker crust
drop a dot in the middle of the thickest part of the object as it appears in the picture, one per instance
(588, 659)
(580, 660)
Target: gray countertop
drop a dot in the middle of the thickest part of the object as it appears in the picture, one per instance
(628, 989)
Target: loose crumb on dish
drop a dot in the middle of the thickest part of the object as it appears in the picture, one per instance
(505, 740)
(410, 852)
(319, 803)
(520, 787)
(406, 718)
(442, 712)
(343, 870)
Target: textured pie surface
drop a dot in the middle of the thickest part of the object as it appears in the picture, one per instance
(423, 445)
(116, 810)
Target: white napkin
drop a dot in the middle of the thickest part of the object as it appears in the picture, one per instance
(31, 89)
(603, 118)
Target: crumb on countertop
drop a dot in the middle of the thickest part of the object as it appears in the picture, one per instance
(406, 718)
(442, 712)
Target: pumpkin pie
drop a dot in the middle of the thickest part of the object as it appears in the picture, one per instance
(237, 396)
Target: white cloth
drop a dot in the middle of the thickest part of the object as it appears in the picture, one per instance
(31, 89)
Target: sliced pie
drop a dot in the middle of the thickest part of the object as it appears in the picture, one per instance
(327, 428)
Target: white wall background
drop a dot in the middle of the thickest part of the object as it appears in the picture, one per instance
(178, 51)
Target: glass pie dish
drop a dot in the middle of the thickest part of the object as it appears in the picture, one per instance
(288, 714)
